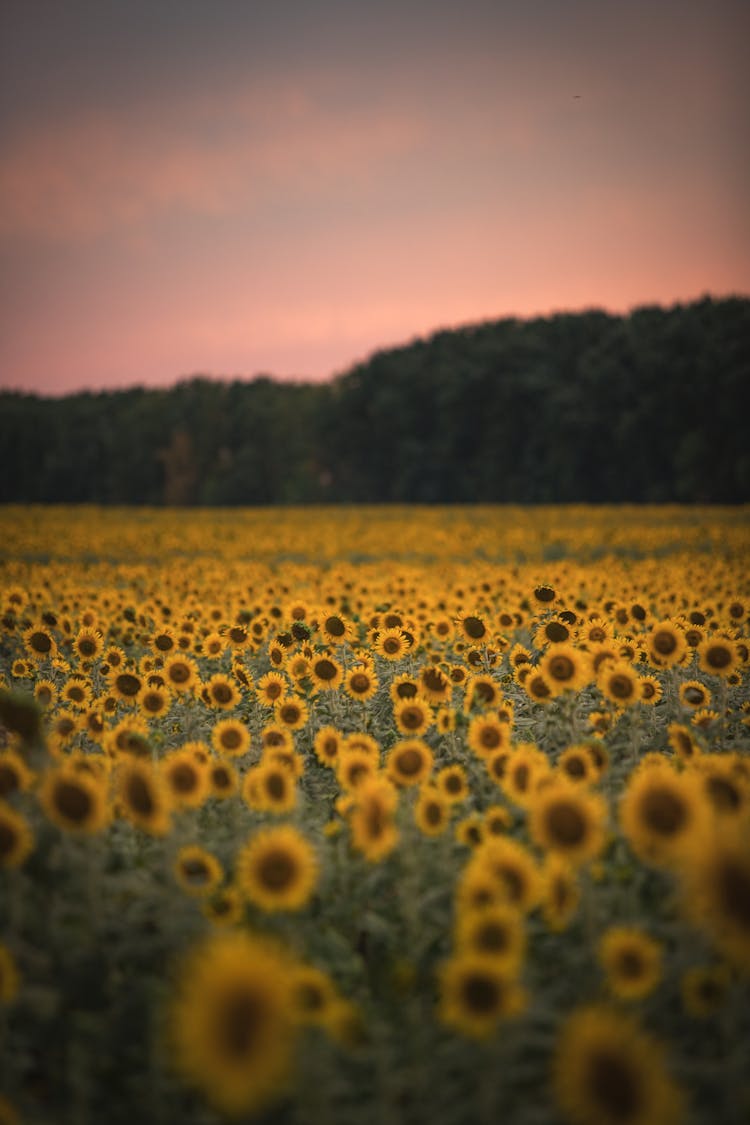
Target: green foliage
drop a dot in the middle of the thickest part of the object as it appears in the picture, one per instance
(584, 407)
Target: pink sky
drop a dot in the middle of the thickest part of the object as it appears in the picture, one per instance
(232, 197)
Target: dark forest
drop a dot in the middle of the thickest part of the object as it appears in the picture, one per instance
(585, 407)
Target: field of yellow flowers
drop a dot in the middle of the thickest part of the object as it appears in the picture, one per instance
(375, 815)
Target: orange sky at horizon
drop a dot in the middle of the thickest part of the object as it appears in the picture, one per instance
(307, 193)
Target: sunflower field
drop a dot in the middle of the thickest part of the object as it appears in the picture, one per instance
(395, 815)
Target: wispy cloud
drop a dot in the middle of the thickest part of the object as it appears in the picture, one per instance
(97, 172)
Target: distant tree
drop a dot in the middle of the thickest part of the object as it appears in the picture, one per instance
(180, 473)
(573, 407)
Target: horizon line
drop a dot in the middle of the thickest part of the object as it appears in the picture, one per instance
(417, 338)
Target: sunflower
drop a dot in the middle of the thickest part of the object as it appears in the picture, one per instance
(154, 700)
(88, 644)
(727, 791)
(353, 766)
(142, 796)
(683, 742)
(566, 819)
(274, 787)
(197, 871)
(76, 692)
(291, 713)
(544, 594)
(565, 668)
(486, 735)
(74, 801)
(124, 684)
(277, 653)
(313, 995)
(470, 830)
(435, 685)
(497, 820)
(63, 728)
(577, 764)
(596, 630)
(598, 754)
(239, 637)
(555, 630)
(213, 646)
(705, 989)
(619, 683)
(458, 675)
(603, 653)
(409, 762)
(336, 629)
(473, 628)
(113, 658)
(404, 686)
(96, 765)
(224, 907)
(496, 764)
(327, 745)
(445, 720)
(180, 673)
(297, 667)
(391, 643)
(535, 684)
(274, 736)
(705, 719)
(661, 811)
(495, 931)
(519, 655)
(525, 767)
(163, 642)
(360, 682)
(129, 736)
(694, 695)
(412, 716)
(242, 675)
(475, 993)
(221, 692)
(483, 691)
(606, 1071)
(223, 779)
(15, 776)
(632, 961)
(665, 644)
(230, 737)
(39, 643)
(16, 837)
(561, 892)
(186, 778)
(326, 673)
(716, 890)
(477, 889)
(277, 869)
(432, 811)
(651, 690)
(694, 634)
(371, 819)
(442, 627)
(718, 656)
(452, 782)
(513, 868)
(231, 1022)
(45, 692)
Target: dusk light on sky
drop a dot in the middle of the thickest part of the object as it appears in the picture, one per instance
(232, 188)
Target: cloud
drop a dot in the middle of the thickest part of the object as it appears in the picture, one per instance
(100, 172)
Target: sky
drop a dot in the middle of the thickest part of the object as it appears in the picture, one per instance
(233, 188)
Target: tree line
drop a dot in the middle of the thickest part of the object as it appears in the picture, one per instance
(584, 407)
